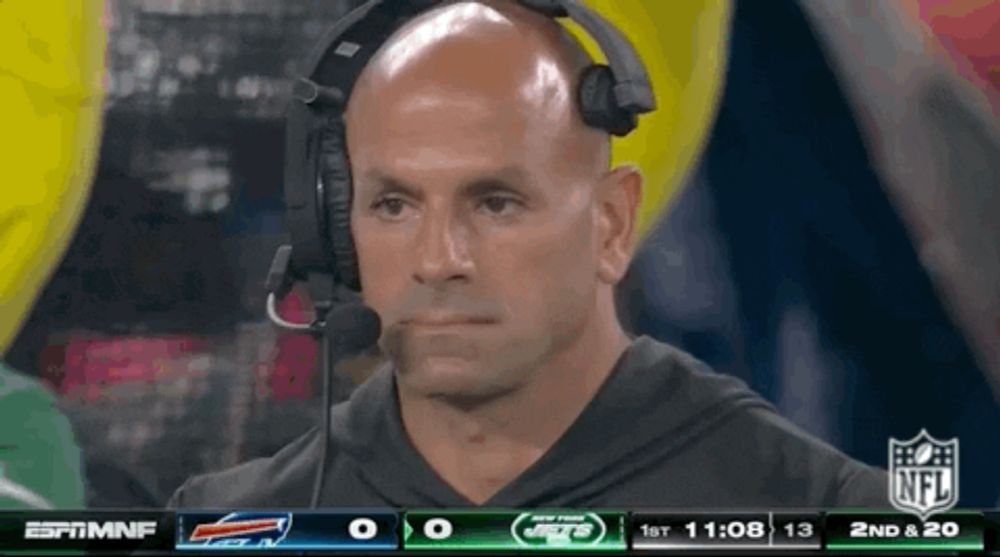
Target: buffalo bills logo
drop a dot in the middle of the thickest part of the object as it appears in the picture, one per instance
(244, 529)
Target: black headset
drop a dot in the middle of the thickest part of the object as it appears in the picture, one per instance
(317, 173)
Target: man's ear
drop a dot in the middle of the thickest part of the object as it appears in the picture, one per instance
(617, 203)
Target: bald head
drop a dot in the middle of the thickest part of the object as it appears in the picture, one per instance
(470, 54)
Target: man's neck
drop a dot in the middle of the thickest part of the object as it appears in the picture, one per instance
(480, 450)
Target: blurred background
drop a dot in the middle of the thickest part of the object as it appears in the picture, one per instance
(837, 247)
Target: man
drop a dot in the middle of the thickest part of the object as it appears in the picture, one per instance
(490, 236)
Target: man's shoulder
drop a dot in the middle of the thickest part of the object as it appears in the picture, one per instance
(286, 478)
(794, 465)
(743, 446)
(281, 480)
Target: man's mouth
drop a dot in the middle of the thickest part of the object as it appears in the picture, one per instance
(432, 321)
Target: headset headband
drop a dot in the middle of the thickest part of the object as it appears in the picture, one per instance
(371, 29)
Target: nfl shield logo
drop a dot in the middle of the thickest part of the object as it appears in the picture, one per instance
(923, 474)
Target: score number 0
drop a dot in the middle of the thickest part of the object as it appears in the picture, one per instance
(362, 528)
(438, 529)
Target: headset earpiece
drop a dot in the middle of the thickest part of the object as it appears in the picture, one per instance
(598, 106)
(335, 177)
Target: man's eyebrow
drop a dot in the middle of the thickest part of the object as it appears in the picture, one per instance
(510, 179)
(390, 184)
(487, 185)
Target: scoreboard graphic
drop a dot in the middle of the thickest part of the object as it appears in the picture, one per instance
(583, 531)
(511, 530)
(287, 530)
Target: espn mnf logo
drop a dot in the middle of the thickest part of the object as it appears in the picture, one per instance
(86, 530)
(89, 529)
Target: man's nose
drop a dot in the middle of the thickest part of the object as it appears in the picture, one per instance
(442, 252)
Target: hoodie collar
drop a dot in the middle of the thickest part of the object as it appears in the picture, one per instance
(654, 400)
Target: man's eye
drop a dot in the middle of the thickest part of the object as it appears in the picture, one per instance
(499, 205)
(391, 207)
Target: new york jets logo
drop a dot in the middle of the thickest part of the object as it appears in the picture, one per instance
(554, 529)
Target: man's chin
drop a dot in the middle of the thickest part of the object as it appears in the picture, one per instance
(451, 378)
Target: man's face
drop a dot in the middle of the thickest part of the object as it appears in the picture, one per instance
(475, 231)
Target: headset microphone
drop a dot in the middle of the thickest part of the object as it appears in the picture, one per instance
(350, 329)
(344, 326)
